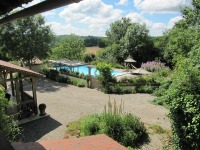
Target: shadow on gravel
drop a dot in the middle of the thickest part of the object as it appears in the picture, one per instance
(34, 130)
(45, 85)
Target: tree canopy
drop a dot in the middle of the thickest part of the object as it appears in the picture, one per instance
(180, 47)
(129, 38)
(71, 47)
(26, 38)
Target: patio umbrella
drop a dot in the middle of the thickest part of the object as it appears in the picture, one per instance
(129, 62)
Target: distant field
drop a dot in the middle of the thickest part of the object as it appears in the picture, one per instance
(92, 50)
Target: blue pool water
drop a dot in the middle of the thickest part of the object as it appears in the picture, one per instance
(94, 71)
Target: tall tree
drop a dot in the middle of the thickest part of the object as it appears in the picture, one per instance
(131, 39)
(192, 14)
(137, 43)
(72, 48)
(117, 30)
(26, 38)
(182, 45)
(178, 42)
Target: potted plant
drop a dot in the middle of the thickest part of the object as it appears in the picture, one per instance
(42, 108)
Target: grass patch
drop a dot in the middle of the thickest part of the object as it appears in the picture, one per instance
(124, 128)
(158, 129)
(165, 134)
(74, 127)
(92, 50)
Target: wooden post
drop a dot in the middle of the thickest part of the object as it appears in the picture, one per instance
(89, 74)
(12, 85)
(34, 95)
(18, 96)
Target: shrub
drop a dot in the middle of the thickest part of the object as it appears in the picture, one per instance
(124, 80)
(126, 90)
(87, 58)
(7, 124)
(153, 66)
(46, 71)
(63, 79)
(53, 75)
(140, 80)
(80, 84)
(76, 73)
(145, 89)
(124, 128)
(106, 89)
(90, 125)
(184, 104)
(105, 76)
(118, 66)
(118, 89)
(74, 82)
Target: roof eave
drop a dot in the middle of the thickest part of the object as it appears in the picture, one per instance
(36, 9)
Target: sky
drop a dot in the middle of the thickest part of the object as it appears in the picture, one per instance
(93, 17)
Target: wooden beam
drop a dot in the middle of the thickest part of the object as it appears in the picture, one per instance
(36, 9)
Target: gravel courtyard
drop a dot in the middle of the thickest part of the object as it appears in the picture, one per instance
(66, 103)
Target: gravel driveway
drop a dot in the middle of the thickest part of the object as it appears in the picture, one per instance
(66, 103)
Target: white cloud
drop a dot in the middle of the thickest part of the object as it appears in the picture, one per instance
(31, 3)
(173, 21)
(27, 5)
(61, 29)
(122, 2)
(138, 18)
(161, 6)
(93, 13)
(155, 29)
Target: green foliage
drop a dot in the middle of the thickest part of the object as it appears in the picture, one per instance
(124, 128)
(181, 92)
(137, 43)
(87, 58)
(53, 75)
(126, 38)
(145, 89)
(179, 42)
(118, 89)
(104, 76)
(80, 84)
(192, 14)
(158, 129)
(7, 124)
(118, 66)
(63, 79)
(90, 125)
(184, 99)
(26, 38)
(109, 55)
(72, 48)
(74, 127)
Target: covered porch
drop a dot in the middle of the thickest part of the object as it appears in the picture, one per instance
(13, 77)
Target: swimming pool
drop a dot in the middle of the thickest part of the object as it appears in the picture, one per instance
(94, 71)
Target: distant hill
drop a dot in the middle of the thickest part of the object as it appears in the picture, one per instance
(89, 41)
